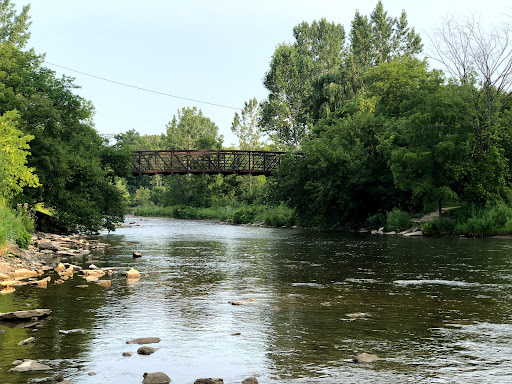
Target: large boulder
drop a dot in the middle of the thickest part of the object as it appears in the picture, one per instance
(131, 274)
(49, 246)
(156, 378)
(25, 315)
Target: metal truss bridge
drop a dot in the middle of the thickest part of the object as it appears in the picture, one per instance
(226, 162)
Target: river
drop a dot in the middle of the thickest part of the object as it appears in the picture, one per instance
(437, 310)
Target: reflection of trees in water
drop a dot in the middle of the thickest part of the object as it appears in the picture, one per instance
(72, 308)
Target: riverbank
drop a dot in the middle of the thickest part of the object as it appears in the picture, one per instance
(44, 254)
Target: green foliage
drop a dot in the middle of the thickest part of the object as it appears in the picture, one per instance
(72, 162)
(16, 226)
(244, 215)
(439, 226)
(14, 172)
(192, 130)
(376, 220)
(398, 220)
(246, 126)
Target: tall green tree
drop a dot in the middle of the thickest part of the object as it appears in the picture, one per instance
(246, 126)
(427, 134)
(14, 172)
(14, 26)
(317, 50)
(480, 59)
(190, 129)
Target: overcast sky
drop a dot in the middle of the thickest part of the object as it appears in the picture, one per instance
(212, 51)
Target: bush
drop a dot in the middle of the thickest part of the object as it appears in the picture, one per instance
(376, 221)
(244, 215)
(16, 226)
(398, 220)
(279, 216)
(439, 226)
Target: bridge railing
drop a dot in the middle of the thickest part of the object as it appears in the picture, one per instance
(205, 161)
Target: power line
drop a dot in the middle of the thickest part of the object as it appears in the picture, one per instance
(141, 88)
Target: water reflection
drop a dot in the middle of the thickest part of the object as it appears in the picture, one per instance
(436, 310)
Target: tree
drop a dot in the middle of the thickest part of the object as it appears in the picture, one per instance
(246, 128)
(316, 51)
(14, 27)
(480, 59)
(374, 40)
(192, 130)
(14, 172)
(426, 137)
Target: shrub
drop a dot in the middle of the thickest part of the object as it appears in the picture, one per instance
(244, 215)
(16, 226)
(398, 220)
(376, 221)
(439, 226)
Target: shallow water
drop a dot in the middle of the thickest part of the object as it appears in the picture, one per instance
(438, 310)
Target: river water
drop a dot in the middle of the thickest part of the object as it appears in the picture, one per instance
(438, 310)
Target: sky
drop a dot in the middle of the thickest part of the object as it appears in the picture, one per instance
(211, 51)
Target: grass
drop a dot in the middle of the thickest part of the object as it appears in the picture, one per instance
(276, 216)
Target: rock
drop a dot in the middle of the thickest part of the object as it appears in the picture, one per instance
(415, 233)
(93, 267)
(92, 374)
(136, 255)
(209, 381)
(132, 274)
(236, 334)
(29, 365)
(4, 291)
(156, 378)
(24, 315)
(49, 246)
(250, 380)
(30, 340)
(92, 272)
(365, 358)
(60, 268)
(144, 340)
(64, 382)
(82, 286)
(127, 354)
(72, 331)
(236, 302)
(357, 315)
(105, 283)
(58, 378)
(3, 277)
(21, 273)
(146, 350)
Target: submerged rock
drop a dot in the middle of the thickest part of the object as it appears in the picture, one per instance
(136, 255)
(105, 283)
(209, 381)
(30, 340)
(127, 354)
(156, 378)
(144, 340)
(365, 358)
(29, 365)
(24, 315)
(250, 380)
(236, 302)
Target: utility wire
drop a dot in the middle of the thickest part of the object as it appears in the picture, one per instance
(140, 88)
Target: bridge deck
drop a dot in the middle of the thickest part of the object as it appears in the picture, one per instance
(205, 162)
